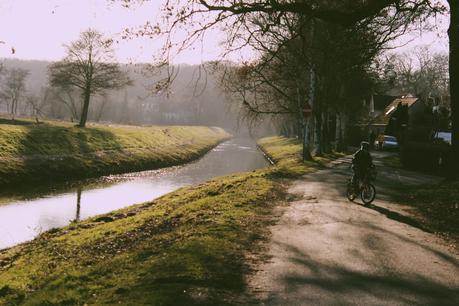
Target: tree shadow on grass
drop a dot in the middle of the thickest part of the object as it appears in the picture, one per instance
(15, 121)
(199, 273)
(52, 153)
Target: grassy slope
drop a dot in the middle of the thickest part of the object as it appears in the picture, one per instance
(186, 248)
(59, 151)
(439, 205)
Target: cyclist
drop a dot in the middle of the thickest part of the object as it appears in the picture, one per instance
(361, 163)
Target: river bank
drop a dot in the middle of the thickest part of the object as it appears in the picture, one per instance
(189, 247)
(57, 151)
(23, 216)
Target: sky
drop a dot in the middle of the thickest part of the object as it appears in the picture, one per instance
(37, 29)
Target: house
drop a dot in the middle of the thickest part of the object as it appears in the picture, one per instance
(377, 103)
(402, 111)
(416, 109)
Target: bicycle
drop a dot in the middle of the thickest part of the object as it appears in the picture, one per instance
(366, 189)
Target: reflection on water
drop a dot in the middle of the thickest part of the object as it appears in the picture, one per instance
(31, 214)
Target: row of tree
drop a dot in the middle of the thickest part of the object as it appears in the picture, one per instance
(12, 88)
(88, 67)
(311, 66)
(314, 54)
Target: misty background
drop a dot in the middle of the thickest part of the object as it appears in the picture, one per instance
(193, 98)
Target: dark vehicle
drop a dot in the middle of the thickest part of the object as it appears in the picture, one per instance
(364, 188)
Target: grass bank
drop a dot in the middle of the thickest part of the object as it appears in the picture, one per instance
(439, 207)
(189, 247)
(56, 151)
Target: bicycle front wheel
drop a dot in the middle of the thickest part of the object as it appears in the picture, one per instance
(350, 192)
(368, 194)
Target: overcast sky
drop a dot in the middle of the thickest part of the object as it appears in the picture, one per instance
(37, 29)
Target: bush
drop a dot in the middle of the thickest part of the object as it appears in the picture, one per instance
(425, 156)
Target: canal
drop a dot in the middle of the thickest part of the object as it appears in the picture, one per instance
(26, 214)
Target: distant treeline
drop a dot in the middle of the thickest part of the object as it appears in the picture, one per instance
(194, 97)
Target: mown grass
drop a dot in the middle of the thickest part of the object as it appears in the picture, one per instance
(56, 151)
(438, 204)
(189, 247)
(286, 153)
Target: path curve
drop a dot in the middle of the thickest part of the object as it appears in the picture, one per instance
(327, 251)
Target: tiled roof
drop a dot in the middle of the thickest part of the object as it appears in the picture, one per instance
(393, 106)
(385, 116)
(382, 101)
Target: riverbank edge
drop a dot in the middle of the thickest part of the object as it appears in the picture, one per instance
(52, 169)
(194, 246)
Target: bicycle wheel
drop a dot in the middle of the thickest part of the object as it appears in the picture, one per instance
(350, 192)
(368, 194)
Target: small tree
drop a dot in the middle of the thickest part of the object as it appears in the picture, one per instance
(13, 88)
(89, 66)
(37, 103)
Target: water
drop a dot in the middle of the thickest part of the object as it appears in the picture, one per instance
(25, 215)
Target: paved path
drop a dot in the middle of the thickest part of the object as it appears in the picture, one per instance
(328, 251)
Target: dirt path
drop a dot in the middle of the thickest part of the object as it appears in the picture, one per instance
(328, 251)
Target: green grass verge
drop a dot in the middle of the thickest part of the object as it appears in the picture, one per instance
(55, 151)
(392, 161)
(186, 248)
(286, 153)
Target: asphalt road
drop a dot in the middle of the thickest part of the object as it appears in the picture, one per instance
(326, 250)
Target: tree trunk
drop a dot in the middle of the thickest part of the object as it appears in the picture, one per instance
(306, 139)
(78, 208)
(13, 108)
(84, 112)
(453, 34)
(318, 134)
(339, 134)
(325, 143)
(16, 106)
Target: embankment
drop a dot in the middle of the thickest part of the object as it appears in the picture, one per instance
(57, 151)
(189, 247)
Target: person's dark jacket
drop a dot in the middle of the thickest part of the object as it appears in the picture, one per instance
(362, 160)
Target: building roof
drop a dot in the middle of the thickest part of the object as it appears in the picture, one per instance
(393, 105)
(382, 101)
(385, 116)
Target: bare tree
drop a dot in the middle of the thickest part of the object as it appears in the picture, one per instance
(422, 73)
(102, 105)
(67, 96)
(345, 13)
(13, 88)
(37, 103)
(90, 67)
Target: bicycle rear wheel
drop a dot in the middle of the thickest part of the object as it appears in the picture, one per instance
(368, 194)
